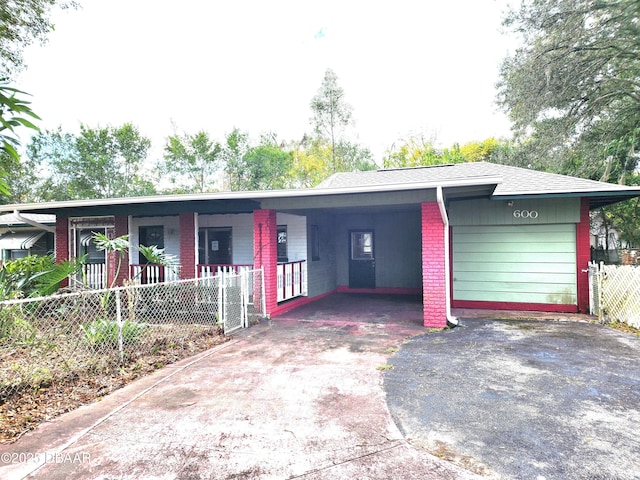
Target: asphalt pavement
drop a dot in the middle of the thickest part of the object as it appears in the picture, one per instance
(522, 399)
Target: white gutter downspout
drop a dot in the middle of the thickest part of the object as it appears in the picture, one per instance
(447, 276)
(33, 223)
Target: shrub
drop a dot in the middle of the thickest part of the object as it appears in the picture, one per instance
(103, 332)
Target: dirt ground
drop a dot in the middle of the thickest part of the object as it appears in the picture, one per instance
(27, 408)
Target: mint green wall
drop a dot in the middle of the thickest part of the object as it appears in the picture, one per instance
(498, 212)
(321, 273)
(515, 263)
(397, 247)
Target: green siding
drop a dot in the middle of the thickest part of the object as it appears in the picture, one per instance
(518, 263)
(498, 212)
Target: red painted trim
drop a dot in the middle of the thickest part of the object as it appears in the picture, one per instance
(297, 302)
(380, 290)
(529, 307)
(583, 255)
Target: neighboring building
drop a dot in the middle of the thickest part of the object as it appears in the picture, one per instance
(23, 235)
(475, 235)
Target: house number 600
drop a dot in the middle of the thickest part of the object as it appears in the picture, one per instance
(525, 213)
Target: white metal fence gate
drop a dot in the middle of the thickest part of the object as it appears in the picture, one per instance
(615, 293)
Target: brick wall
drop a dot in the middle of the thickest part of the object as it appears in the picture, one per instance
(583, 251)
(266, 253)
(188, 247)
(62, 243)
(433, 265)
(120, 228)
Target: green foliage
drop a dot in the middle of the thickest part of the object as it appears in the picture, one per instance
(571, 89)
(264, 167)
(103, 332)
(418, 151)
(97, 163)
(34, 276)
(190, 162)
(118, 246)
(331, 115)
(14, 328)
(15, 112)
(233, 150)
(21, 23)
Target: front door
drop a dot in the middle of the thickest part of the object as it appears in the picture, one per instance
(218, 246)
(362, 262)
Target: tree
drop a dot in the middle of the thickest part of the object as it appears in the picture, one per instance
(266, 166)
(97, 163)
(309, 165)
(415, 151)
(190, 162)
(573, 88)
(331, 114)
(235, 146)
(21, 23)
(13, 114)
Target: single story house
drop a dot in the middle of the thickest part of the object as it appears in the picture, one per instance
(473, 235)
(28, 234)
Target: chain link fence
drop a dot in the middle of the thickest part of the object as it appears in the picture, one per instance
(615, 293)
(78, 344)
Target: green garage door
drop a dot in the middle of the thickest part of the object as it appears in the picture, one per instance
(515, 263)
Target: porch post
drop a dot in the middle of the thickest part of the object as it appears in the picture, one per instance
(62, 243)
(434, 303)
(583, 251)
(120, 228)
(188, 245)
(265, 253)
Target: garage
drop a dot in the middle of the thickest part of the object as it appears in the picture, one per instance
(520, 255)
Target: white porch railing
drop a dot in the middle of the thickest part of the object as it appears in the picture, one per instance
(152, 274)
(292, 280)
(211, 270)
(94, 275)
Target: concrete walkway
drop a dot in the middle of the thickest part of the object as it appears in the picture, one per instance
(298, 398)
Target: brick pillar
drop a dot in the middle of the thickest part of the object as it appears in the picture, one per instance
(265, 253)
(583, 251)
(62, 243)
(188, 245)
(120, 228)
(434, 289)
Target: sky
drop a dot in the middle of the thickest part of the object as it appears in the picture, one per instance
(407, 67)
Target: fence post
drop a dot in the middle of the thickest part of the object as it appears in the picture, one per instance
(243, 300)
(220, 299)
(600, 306)
(119, 322)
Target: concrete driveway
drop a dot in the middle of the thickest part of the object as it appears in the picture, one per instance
(299, 398)
(523, 399)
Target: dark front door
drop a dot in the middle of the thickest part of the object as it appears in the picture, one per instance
(362, 261)
(219, 246)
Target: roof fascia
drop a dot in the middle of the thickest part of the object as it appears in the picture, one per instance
(79, 205)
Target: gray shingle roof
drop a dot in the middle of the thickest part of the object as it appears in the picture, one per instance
(515, 181)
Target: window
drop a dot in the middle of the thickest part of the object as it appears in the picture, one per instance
(282, 243)
(86, 245)
(151, 236)
(361, 245)
(315, 243)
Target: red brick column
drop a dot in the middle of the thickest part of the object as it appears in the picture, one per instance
(434, 303)
(583, 251)
(188, 245)
(62, 243)
(265, 254)
(120, 228)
